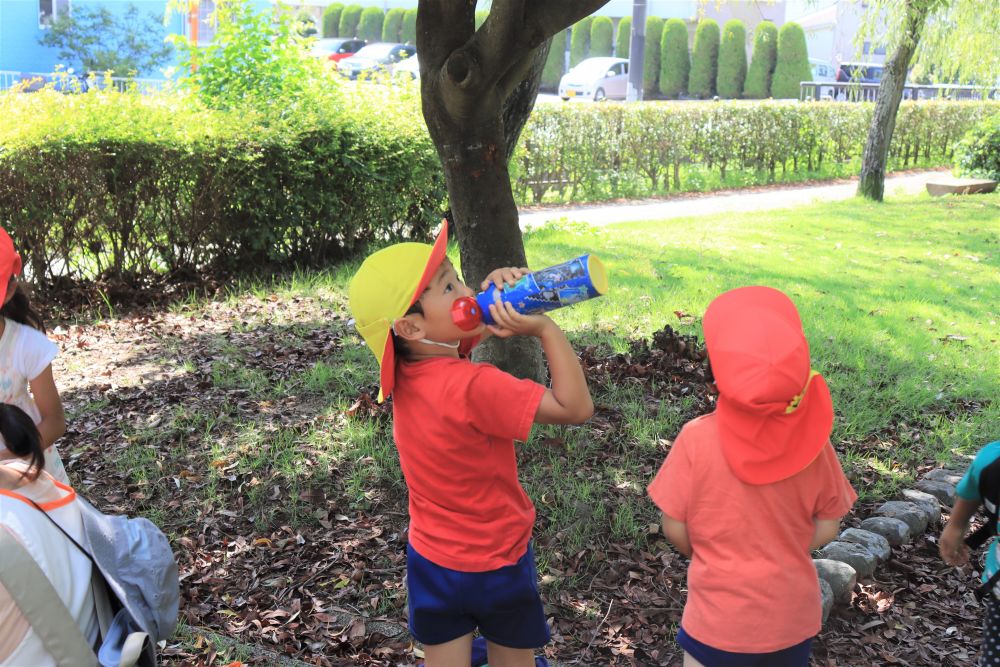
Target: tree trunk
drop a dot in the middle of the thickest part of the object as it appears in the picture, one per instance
(890, 92)
(478, 88)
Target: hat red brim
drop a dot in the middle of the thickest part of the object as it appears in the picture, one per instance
(765, 449)
(387, 375)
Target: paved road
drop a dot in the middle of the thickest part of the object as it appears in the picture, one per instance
(720, 202)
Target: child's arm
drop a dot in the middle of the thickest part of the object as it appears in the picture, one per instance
(50, 407)
(677, 532)
(951, 544)
(826, 531)
(568, 400)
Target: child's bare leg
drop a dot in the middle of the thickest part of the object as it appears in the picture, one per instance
(455, 653)
(503, 656)
(691, 662)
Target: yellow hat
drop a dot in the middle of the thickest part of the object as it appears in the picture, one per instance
(387, 284)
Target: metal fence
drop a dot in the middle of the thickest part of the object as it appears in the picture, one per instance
(74, 83)
(868, 92)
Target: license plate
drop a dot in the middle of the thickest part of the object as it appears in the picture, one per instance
(570, 93)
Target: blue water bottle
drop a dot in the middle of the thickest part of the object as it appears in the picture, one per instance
(557, 286)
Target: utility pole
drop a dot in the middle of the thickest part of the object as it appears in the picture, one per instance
(636, 51)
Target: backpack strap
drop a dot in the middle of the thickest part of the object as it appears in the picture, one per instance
(41, 605)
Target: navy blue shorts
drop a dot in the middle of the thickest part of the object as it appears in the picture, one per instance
(793, 656)
(504, 604)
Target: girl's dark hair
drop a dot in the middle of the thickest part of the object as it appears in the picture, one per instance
(398, 344)
(19, 309)
(22, 437)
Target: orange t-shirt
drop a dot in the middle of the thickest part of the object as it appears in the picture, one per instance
(752, 587)
(454, 423)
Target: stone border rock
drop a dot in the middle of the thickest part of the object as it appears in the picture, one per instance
(858, 551)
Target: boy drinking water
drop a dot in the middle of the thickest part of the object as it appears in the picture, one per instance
(470, 564)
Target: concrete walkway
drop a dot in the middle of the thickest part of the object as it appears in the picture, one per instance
(726, 201)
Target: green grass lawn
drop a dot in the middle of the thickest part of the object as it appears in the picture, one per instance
(900, 302)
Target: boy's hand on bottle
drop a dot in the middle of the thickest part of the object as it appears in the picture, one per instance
(954, 551)
(509, 322)
(507, 275)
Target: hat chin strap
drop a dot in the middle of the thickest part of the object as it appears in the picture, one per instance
(450, 346)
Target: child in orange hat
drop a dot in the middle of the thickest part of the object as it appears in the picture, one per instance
(750, 489)
(26, 356)
(469, 559)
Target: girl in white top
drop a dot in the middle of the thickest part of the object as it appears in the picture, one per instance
(26, 361)
(66, 567)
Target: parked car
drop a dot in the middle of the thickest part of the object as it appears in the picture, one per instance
(823, 71)
(374, 58)
(860, 73)
(407, 69)
(336, 48)
(596, 79)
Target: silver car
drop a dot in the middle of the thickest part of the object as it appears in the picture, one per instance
(596, 79)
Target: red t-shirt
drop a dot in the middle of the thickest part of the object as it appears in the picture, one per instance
(752, 587)
(455, 423)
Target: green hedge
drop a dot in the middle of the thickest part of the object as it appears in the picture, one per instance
(579, 41)
(370, 25)
(112, 186)
(675, 63)
(704, 59)
(392, 25)
(556, 62)
(349, 19)
(978, 153)
(765, 52)
(792, 63)
(331, 19)
(408, 33)
(601, 36)
(732, 60)
(651, 56)
(581, 153)
(624, 37)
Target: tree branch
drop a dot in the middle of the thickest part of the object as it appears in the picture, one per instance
(443, 27)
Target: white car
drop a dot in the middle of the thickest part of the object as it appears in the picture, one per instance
(823, 71)
(596, 79)
(407, 69)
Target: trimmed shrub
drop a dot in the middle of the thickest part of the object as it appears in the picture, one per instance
(331, 19)
(579, 41)
(481, 18)
(704, 60)
(392, 24)
(732, 60)
(624, 37)
(408, 33)
(556, 62)
(601, 34)
(349, 19)
(675, 62)
(791, 64)
(651, 55)
(370, 25)
(765, 51)
(307, 23)
(978, 154)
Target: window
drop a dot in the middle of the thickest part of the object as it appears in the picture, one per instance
(206, 22)
(50, 10)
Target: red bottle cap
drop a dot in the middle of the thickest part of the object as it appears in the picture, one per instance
(466, 314)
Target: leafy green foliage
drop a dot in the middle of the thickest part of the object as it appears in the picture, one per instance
(704, 60)
(732, 60)
(125, 44)
(307, 24)
(555, 63)
(978, 153)
(675, 62)
(349, 20)
(408, 33)
(370, 24)
(651, 55)
(392, 25)
(601, 35)
(579, 41)
(624, 37)
(791, 64)
(765, 52)
(331, 19)
(257, 59)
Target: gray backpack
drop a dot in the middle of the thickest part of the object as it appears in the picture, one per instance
(135, 584)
